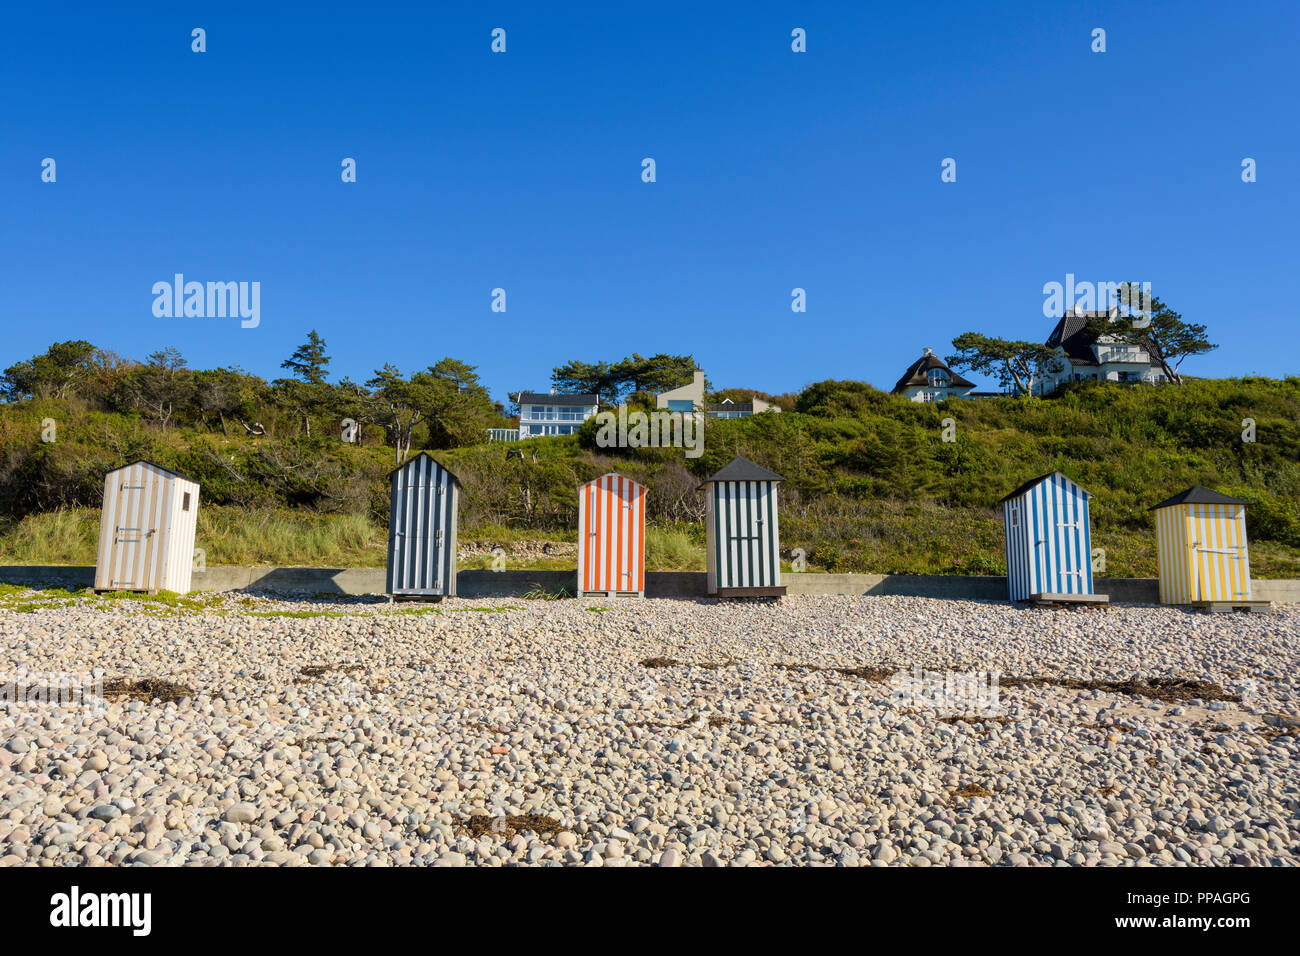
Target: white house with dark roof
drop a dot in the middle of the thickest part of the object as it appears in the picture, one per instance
(1087, 356)
(553, 413)
(928, 379)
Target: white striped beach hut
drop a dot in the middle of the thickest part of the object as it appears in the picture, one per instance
(611, 537)
(1048, 541)
(743, 536)
(146, 530)
(1202, 551)
(422, 513)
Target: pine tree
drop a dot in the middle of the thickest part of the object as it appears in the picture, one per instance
(309, 361)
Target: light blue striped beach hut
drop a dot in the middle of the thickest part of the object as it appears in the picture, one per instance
(1049, 542)
(422, 529)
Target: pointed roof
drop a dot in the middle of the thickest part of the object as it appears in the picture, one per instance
(1041, 478)
(741, 469)
(1196, 495)
(424, 454)
(612, 474)
(156, 467)
(916, 373)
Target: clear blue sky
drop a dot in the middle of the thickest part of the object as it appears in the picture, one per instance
(523, 171)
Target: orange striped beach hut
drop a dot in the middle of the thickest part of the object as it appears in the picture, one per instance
(611, 537)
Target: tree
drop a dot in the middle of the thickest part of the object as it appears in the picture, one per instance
(458, 373)
(586, 378)
(461, 409)
(222, 392)
(309, 360)
(658, 373)
(1017, 365)
(160, 385)
(401, 405)
(302, 399)
(169, 359)
(65, 367)
(1162, 334)
(613, 382)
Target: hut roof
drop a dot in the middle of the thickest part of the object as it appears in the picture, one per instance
(157, 467)
(612, 474)
(741, 469)
(424, 454)
(1196, 495)
(916, 373)
(1041, 478)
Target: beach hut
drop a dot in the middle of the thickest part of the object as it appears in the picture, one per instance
(146, 530)
(423, 497)
(611, 537)
(743, 538)
(1049, 542)
(1201, 549)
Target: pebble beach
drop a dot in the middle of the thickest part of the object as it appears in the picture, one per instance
(233, 730)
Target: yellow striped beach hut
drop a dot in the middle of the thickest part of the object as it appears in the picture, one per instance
(1201, 544)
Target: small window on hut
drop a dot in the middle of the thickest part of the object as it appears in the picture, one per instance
(185, 501)
(1015, 517)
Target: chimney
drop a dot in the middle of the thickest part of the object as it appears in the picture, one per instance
(552, 389)
(928, 351)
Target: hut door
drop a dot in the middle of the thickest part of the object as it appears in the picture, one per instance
(426, 537)
(621, 539)
(1070, 574)
(135, 539)
(1219, 556)
(747, 536)
(612, 558)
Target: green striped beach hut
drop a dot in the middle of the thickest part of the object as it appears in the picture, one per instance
(742, 532)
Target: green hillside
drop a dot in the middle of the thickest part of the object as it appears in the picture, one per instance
(871, 484)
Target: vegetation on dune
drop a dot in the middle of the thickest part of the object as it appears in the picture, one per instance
(871, 484)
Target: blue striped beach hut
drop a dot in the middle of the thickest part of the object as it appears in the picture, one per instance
(422, 529)
(1049, 542)
(742, 537)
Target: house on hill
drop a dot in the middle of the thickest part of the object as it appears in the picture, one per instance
(729, 409)
(1088, 356)
(686, 398)
(928, 379)
(548, 414)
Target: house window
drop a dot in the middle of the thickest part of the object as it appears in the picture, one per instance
(185, 501)
(681, 405)
(937, 377)
(1015, 517)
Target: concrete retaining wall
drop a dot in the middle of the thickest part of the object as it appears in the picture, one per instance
(660, 584)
